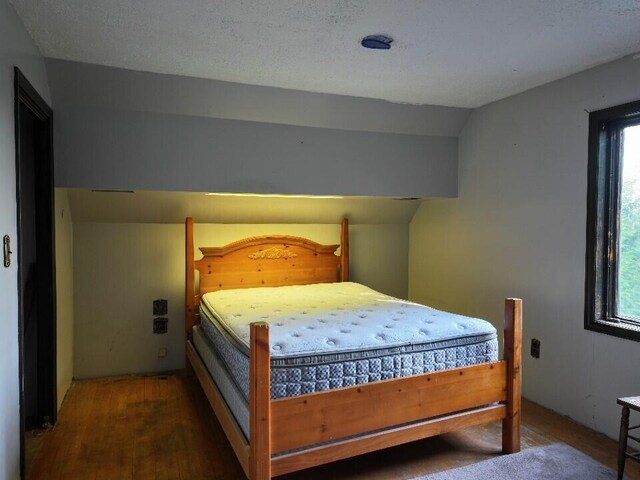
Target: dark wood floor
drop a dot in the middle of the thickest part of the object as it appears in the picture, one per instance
(161, 427)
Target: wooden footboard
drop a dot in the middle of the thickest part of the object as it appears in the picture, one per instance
(295, 433)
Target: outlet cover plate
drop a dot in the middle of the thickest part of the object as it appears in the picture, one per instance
(160, 325)
(535, 348)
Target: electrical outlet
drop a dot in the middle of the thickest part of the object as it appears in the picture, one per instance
(160, 325)
(535, 348)
(162, 353)
(160, 307)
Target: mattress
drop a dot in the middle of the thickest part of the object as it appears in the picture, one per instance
(335, 335)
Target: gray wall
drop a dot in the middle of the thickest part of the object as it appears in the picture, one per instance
(127, 130)
(518, 229)
(74, 83)
(16, 48)
(120, 268)
(119, 149)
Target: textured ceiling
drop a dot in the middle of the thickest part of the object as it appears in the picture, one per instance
(457, 53)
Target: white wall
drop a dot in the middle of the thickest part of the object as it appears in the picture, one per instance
(16, 48)
(64, 293)
(518, 229)
(120, 268)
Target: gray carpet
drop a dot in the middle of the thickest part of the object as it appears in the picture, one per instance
(553, 462)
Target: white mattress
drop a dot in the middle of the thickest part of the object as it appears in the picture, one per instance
(337, 321)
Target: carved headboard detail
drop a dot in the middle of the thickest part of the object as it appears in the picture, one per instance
(272, 254)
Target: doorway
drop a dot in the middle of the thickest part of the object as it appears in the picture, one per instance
(36, 258)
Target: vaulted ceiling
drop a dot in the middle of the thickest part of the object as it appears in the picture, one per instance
(458, 53)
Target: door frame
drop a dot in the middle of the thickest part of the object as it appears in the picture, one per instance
(27, 96)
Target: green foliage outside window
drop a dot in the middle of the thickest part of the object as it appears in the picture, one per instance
(629, 266)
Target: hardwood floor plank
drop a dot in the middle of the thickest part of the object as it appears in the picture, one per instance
(189, 464)
(80, 426)
(167, 467)
(144, 462)
(150, 428)
(190, 434)
(137, 407)
(104, 454)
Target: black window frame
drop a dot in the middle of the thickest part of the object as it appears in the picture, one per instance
(603, 201)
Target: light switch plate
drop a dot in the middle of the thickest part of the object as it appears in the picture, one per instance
(160, 307)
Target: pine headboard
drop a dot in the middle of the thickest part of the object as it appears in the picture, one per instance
(265, 261)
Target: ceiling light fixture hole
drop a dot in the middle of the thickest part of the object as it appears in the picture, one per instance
(377, 42)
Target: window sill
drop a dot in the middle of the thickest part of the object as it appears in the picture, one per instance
(620, 329)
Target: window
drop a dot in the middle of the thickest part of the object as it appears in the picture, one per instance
(613, 222)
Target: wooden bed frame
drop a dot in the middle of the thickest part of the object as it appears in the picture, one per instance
(295, 433)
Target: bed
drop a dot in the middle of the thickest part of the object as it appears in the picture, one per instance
(277, 336)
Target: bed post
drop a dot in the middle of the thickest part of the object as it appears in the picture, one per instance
(344, 250)
(189, 279)
(513, 357)
(259, 402)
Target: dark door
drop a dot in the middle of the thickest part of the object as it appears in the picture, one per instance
(29, 266)
(36, 255)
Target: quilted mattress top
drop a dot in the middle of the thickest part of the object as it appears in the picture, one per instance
(331, 318)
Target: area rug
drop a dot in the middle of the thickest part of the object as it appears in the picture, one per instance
(553, 462)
